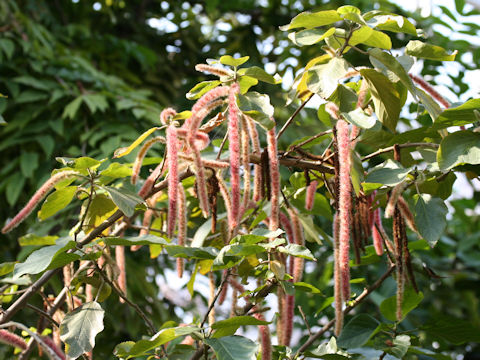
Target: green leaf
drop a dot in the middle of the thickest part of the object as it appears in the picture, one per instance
(394, 66)
(234, 62)
(388, 173)
(426, 51)
(201, 88)
(258, 107)
(32, 239)
(160, 338)
(359, 118)
(461, 147)
(28, 163)
(79, 328)
(411, 299)
(117, 170)
(71, 109)
(233, 348)
(430, 105)
(401, 343)
(6, 268)
(358, 331)
(41, 259)
(328, 351)
(311, 20)
(135, 240)
(393, 23)
(298, 251)
(201, 233)
(259, 74)
(203, 253)
(230, 326)
(14, 187)
(95, 102)
(460, 115)
(310, 36)
(126, 200)
(323, 79)
(305, 287)
(453, 330)
(125, 151)
(245, 83)
(386, 98)
(430, 217)
(56, 201)
(8, 47)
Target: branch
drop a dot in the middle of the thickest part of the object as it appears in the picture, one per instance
(401, 146)
(349, 308)
(299, 163)
(289, 121)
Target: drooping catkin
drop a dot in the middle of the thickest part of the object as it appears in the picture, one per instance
(392, 200)
(215, 164)
(211, 315)
(299, 239)
(310, 195)
(122, 274)
(245, 151)
(166, 115)
(51, 344)
(282, 315)
(201, 139)
(212, 69)
(257, 169)
(376, 235)
(182, 225)
(345, 204)
(137, 165)
(265, 338)
(227, 202)
(150, 181)
(9, 338)
(398, 239)
(407, 214)
(274, 171)
(200, 180)
(362, 94)
(429, 89)
(337, 281)
(37, 197)
(288, 321)
(234, 148)
(172, 159)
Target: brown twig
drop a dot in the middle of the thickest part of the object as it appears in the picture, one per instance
(401, 146)
(291, 118)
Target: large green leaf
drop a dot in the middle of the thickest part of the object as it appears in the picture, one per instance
(79, 328)
(297, 250)
(460, 115)
(259, 74)
(233, 348)
(357, 331)
(135, 240)
(201, 88)
(386, 98)
(310, 20)
(392, 64)
(230, 326)
(388, 173)
(430, 217)
(56, 201)
(161, 338)
(426, 51)
(41, 259)
(310, 36)
(28, 163)
(359, 118)
(258, 107)
(461, 147)
(401, 343)
(411, 299)
(323, 79)
(126, 200)
(393, 23)
(453, 330)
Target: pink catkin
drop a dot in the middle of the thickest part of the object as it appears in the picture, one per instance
(37, 197)
(257, 169)
(392, 200)
(212, 69)
(150, 181)
(201, 139)
(216, 164)
(299, 239)
(274, 178)
(265, 338)
(345, 204)
(51, 344)
(246, 164)
(137, 165)
(227, 201)
(310, 195)
(182, 225)
(377, 237)
(201, 181)
(122, 276)
(172, 159)
(234, 147)
(337, 276)
(288, 321)
(166, 114)
(429, 89)
(11, 339)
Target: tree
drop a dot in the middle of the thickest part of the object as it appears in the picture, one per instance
(241, 217)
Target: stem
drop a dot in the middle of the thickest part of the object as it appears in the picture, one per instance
(290, 120)
(401, 146)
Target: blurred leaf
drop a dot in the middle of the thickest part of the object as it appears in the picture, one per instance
(125, 151)
(411, 299)
(311, 20)
(358, 331)
(427, 51)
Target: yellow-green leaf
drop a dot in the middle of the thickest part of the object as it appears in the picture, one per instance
(126, 150)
